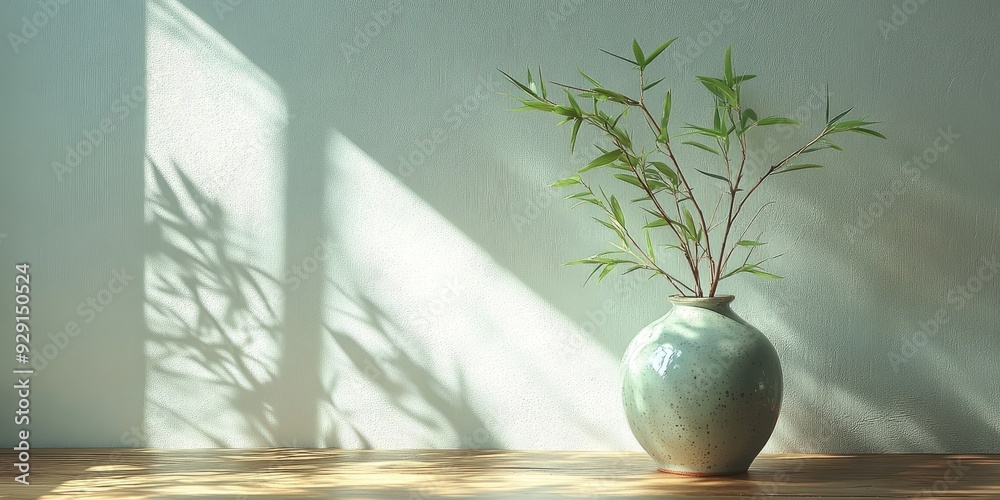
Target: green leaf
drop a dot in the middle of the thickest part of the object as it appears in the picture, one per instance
(867, 131)
(743, 78)
(701, 146)
(602, 160)
(706, 131)
(692, 229)
(752, 269)
(569, 181)
(637, 52)
(568, 112)
(756, 271)
(589, 79)
(715, 176)
(665, 169)
(803, 166)
(749, 243)
(531, 83)
(541, 82)
(573, 103)
(741, 269)
(607, 269)
(748, 116)
(611, 227)
(835, 118)
(666, 116)
(729, 65)
(629, 179)
(633, 268)
(649, 245)
(827, 103)
(572, 138)
(617, 210)
(611, 94)
(651, 85)
(776, 120)
(656, 223)
(535, 105)
(620, 57)
(851, 124)
(652, 55)
(720, 89)
(591, 275)
(520, 85)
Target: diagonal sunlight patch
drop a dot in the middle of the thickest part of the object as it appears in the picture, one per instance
(214, 210)
(431, 343)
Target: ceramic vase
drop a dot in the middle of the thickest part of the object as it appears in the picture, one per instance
(702, 388)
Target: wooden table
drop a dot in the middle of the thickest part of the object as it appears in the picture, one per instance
(417, 474)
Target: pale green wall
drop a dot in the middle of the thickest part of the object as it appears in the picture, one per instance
(436, 312)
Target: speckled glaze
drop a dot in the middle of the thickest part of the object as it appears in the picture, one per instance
(702, 388)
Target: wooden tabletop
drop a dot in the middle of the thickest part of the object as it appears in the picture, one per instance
(418, 474)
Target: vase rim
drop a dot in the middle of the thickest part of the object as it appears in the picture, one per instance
(718, 300)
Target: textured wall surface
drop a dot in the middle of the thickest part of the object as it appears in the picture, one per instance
(316, 223)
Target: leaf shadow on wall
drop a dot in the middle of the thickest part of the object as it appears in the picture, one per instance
(215, 335)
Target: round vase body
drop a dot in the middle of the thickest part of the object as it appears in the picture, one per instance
(702, 388)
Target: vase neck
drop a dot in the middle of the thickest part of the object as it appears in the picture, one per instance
(719, 303)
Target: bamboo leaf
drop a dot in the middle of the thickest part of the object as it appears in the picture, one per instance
(749, 115)
(776, 120)
(629, 179)
(572, 137)
(589, 79)
(617, 210)
(803, 166)
(756, 271)
(569, 181)
(720, 89)
(651, 85)
(541, 83)
(741, 269)
(652, 55)
(607, 269)
(851, 124)
(701, 146)
(692, 229)
(714, 176)
(665, 169)
(835, 118)
(520, 85)
(637, 52)
(619, 57)
(633, 268)
(749, 243)
(612, 94)
(867, 131)
(827, 103)
(666, 117)
(656, 223)
(591, 275)
(602, 160)
(706, 131)
(649, 245)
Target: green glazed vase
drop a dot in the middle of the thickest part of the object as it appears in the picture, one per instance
(702, 388)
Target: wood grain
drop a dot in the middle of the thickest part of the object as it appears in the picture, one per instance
(415, 474)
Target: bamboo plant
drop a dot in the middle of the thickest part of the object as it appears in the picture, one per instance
(653, 171)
